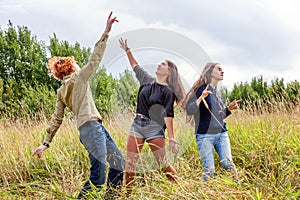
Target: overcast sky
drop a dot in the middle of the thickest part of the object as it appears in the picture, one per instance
(248, 37)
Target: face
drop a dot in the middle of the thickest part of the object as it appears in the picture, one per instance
(217, 73)
(163, 69)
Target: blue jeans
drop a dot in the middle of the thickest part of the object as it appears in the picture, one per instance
(101, 149)
(220, 142)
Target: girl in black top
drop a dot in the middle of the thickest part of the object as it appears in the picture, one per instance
(155, 113)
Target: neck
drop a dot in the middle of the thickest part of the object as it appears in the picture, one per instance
(161, 79)
(214, 83)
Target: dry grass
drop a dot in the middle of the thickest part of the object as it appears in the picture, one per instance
(265, 149)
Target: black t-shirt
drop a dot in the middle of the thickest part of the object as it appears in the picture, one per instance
(155, 100)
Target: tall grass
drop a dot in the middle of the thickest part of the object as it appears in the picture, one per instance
(265, 148)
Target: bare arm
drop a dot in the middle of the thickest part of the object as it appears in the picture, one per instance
(172, 141)
(124, 46)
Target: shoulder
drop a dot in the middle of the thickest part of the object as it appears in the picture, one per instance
(168, 89)
(137, 68)
(201, 89)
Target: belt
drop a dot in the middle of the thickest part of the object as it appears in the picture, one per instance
(141, 115)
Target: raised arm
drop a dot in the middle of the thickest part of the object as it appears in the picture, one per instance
(143, 76)
(124, 46)
(94, 60)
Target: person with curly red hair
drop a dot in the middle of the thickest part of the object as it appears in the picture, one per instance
(76, 94)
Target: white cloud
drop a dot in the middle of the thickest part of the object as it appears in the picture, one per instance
(248, 38)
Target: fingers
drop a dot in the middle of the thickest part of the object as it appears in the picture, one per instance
(173, 149)
(115, 19)
(110, 15)
(33, 153)
(123, 44)
(206, 87)
(234, 104)
(37, 152)
(238, 101)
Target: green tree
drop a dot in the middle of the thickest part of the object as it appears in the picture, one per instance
(126, 90)
(25, 86)
(23, 58)
(63, 48)
(102, 86)
(293, 92)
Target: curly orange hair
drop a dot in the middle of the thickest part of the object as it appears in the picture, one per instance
(61, 66)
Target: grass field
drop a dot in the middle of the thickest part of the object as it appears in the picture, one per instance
(265, 148)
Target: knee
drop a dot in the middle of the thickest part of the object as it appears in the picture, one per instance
(116, 162)
(130, 165)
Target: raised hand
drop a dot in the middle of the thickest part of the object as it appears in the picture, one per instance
(234, 104)
(109, 23)
(123, 44)
(204, 94)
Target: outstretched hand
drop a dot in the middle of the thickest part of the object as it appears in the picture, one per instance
(39, 151)
(123, 44)
(109, 23)
(172, 145)
(234, 105)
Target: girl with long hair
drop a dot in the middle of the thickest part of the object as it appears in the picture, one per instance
(154, 114)
(209, 112)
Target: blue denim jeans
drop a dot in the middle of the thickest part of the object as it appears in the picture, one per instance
(206, 143)
(101, 149)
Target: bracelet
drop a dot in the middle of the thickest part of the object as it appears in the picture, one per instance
(127, 49)
(46, 144)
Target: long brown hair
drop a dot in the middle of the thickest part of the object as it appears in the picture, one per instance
(175, 83)
(205, 78)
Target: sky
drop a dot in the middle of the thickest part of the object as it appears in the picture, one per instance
(248, 38)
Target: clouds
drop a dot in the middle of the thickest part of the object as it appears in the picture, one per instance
(251, 34)
(261, 35)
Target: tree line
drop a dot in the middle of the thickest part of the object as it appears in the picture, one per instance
(26, 89)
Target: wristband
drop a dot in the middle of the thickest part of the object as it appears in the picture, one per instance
(46, 144)
(127, 49)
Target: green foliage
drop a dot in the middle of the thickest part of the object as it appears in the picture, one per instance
(259, 94)
(292, 90)
(25, 87)
(23, 58)
(125, 96)
(102, 86)
(63, 48)
(38, 100)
